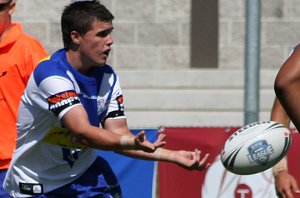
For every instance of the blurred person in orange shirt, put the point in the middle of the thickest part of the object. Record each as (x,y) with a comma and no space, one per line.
(19,54)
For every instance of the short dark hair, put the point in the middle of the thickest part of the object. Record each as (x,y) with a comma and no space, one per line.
(79,16)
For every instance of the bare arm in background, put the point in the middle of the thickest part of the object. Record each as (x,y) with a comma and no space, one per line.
(286,106)
(285,183)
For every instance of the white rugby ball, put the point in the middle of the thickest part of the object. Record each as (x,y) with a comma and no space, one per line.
(255,147)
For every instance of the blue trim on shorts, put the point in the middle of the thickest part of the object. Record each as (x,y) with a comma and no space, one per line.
(3,193)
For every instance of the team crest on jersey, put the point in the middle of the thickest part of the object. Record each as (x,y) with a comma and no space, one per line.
(259,152)
(60,101)
(102,105)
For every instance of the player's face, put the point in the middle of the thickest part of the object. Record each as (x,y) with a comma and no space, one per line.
(95,45)
(6,10)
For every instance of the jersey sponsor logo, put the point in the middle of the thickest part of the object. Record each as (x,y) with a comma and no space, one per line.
(120,102)
(62,137)
(60,101)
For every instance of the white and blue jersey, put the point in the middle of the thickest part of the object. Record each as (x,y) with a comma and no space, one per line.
(46,158)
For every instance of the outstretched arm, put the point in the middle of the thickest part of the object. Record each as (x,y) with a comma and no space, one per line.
(191,160)
(76,120)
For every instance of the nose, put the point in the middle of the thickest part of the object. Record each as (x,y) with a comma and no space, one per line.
(109,40)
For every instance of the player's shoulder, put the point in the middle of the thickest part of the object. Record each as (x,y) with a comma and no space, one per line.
(50,66)
(294,54)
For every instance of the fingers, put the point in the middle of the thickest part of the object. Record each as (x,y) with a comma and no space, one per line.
(142,143)
(161,129)
(196,155)
(200,164)
(280,195)
(161,136)
(204,159)
(159,142)
(287,194)
(141,135)
(203,163)
(145,146)
(286,185)
(295,187)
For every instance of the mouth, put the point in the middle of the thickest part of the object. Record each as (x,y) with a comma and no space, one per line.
(106,52)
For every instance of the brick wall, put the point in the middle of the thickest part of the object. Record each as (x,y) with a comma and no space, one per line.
(151,53)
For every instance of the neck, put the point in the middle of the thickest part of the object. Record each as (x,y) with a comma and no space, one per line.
(75,61)
(4,33)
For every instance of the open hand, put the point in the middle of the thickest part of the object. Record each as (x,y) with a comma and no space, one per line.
(159,142)
(286,185)
(190,160)
(142,143)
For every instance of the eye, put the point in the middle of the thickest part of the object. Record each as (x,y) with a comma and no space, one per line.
(104,33)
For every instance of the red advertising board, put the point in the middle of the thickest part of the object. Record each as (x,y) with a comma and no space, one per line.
(216,182)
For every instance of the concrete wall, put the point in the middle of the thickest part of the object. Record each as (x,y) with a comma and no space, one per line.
(151,54)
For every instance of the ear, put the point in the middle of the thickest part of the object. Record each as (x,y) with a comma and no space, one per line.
(12,7)
(76,38)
